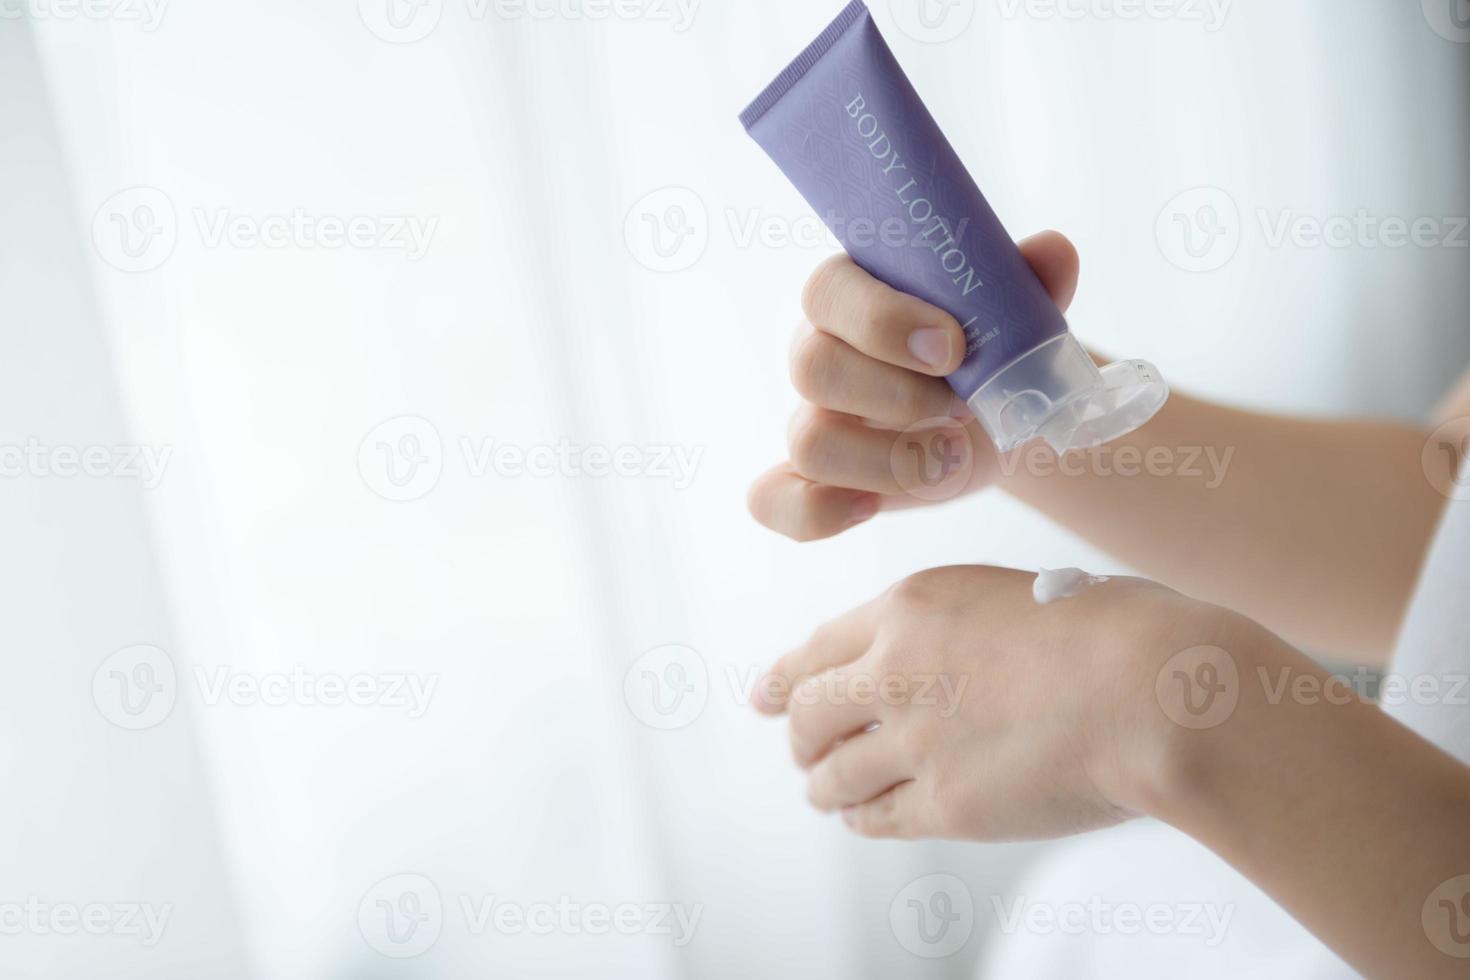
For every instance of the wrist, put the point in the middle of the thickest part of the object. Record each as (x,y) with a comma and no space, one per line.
(1190,688)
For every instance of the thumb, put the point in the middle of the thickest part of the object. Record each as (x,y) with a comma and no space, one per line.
(1054,260)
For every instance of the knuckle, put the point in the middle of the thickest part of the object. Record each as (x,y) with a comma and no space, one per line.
(810,443)
(780,671)
(870,825)
(797,510)
(798,747)
(815,794)
(758,502)
(914,592)
(928,591)
(877,319)
(824,636)
(878,816)
(889,661)
(825,787)
(801,742)
(827,508)
(928,400)
(941,814)
(819,294)
(917,744)
(916,401)
(838,772)
(814,365)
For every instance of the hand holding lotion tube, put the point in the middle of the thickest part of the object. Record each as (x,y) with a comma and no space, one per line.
(844,124)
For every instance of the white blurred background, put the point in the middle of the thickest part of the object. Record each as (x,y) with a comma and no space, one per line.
(304,280)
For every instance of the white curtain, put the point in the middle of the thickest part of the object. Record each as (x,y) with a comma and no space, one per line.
(537,158)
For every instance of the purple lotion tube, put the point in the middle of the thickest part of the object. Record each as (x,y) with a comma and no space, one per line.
(847,128)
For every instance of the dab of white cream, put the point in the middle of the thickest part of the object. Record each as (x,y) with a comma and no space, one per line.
(1062,583)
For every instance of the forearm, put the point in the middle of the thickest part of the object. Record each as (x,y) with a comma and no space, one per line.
(1350,821)
(1315,529)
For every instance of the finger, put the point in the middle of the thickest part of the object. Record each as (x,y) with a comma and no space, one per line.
(832,374)
(790,504)
(839,450)
(825,709)
(1054,260)
(837,642)
(844,301)
(860,769)
(898,813)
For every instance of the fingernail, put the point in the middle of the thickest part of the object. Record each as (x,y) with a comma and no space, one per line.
(863,508)
(931,346)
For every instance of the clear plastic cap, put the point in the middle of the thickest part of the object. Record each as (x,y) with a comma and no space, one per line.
(1055,392)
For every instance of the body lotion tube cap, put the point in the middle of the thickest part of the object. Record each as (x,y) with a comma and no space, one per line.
(1056,392)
